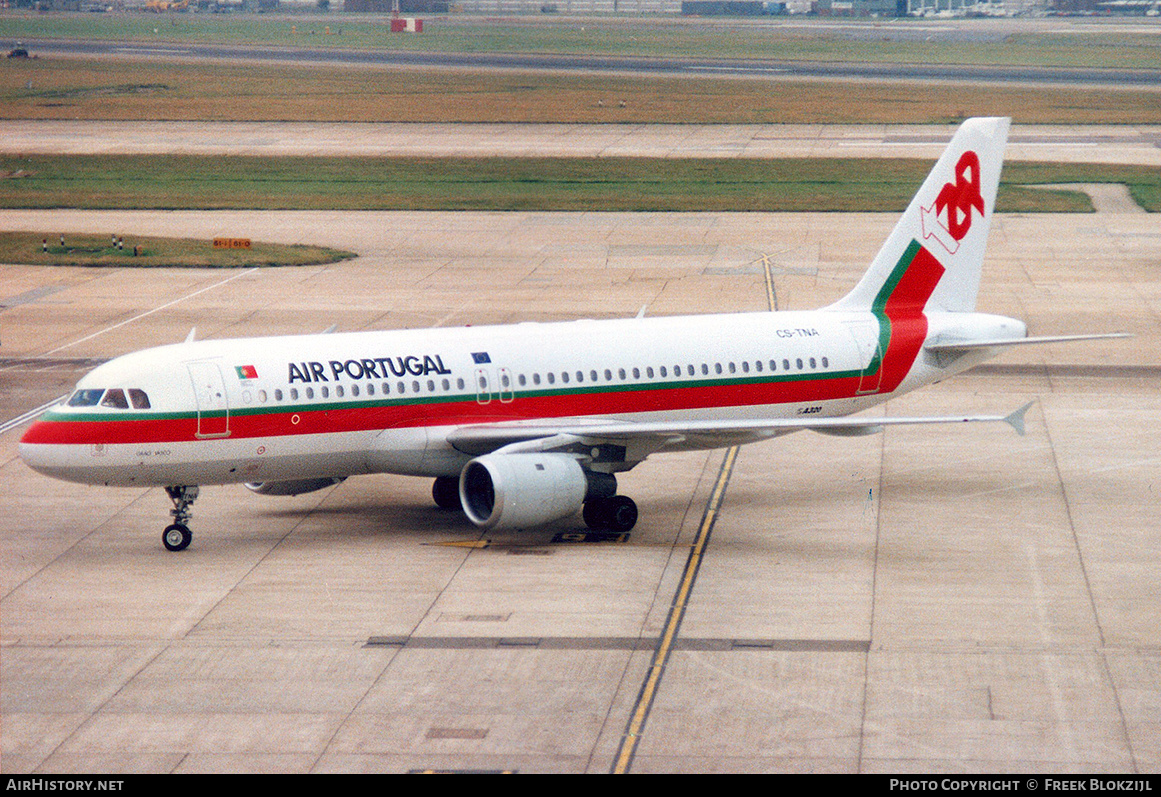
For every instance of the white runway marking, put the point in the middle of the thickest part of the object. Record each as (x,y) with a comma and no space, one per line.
(151,312)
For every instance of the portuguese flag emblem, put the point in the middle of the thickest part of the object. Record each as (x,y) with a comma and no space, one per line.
(246,371)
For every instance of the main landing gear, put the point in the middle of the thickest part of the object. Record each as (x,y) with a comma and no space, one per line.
(446,492)
(616,513)
(177,536)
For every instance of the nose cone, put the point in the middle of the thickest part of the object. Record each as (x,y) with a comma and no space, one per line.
(43,448)
(31,443)
(36,452)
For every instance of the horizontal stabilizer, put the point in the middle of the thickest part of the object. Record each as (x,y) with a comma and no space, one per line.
(967,345)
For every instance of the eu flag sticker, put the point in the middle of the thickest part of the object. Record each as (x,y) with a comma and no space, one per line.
(481,357)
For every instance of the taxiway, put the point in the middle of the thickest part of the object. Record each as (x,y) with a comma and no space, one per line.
(954,600)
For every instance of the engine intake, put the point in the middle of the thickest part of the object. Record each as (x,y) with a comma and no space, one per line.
(505,491)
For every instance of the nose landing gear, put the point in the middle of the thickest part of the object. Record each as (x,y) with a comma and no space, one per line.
(177,536)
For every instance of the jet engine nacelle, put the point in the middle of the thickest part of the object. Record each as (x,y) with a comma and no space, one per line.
(504,491)
(293,487)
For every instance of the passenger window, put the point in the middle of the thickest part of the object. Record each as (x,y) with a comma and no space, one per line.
(262,396)
(325,392)
(86,398)
(636,373)
(115,398)
(564,376)
(139,399)
(825,363)
(338,391)
(310,392)
(608,375)
(278,394)
(294,394)
(798,362)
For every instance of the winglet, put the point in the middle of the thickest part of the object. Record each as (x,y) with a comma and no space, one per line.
(1016,419)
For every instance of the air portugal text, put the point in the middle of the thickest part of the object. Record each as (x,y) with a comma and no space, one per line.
(367,368)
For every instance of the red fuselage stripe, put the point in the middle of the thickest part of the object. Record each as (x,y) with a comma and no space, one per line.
(904,311)
(303,420)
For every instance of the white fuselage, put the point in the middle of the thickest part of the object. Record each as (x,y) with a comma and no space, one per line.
(335,405)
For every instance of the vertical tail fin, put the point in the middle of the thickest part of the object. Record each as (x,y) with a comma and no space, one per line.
(942,235)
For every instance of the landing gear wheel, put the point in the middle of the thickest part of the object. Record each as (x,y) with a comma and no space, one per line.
(621,513)
(446,492)
(617,513)
(176,537)
(593,513)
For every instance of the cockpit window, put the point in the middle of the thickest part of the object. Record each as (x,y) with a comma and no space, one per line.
(85,398)
(115,398)
(139,398)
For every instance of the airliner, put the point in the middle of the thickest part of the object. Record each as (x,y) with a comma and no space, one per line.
(528,424)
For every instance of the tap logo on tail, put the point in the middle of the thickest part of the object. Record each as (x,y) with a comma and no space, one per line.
(949,218)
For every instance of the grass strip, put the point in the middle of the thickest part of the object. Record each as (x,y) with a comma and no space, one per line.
(65,88)
(79,249)
(546,184)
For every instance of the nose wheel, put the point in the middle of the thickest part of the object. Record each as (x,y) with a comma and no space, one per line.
(177,536)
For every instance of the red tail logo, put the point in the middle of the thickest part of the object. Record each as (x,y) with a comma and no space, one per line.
(957,199)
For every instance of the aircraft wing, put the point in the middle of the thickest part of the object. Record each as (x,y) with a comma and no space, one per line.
(645,438)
